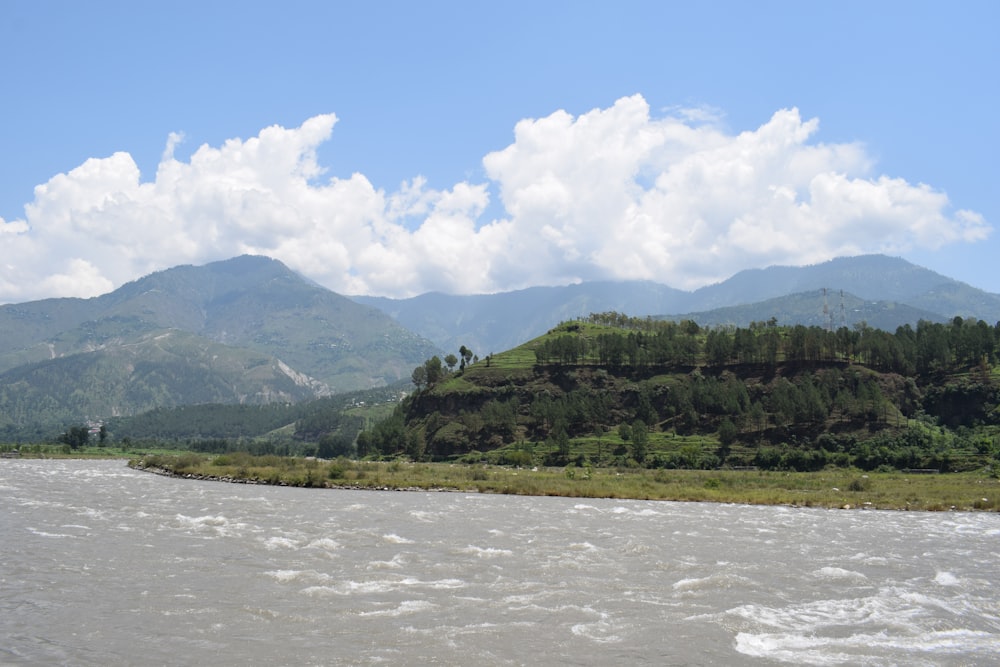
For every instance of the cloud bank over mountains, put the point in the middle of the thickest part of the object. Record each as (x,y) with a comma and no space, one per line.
(614,193)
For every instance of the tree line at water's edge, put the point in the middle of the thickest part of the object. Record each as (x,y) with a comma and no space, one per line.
(615,390)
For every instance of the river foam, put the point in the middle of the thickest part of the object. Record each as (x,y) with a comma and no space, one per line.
(104,565)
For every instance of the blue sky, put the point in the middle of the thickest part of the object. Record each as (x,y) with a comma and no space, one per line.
(396,148)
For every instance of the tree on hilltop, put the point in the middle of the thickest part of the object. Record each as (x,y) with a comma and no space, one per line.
(419,377)
(466,355)
(434,370)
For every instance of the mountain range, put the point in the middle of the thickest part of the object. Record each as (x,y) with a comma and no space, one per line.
(245,330)
(249,330)
(884,292)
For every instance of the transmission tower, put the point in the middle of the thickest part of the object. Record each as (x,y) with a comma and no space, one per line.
(843,311)
(827,317)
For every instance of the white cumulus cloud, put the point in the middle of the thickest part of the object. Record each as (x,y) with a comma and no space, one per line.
(610,194)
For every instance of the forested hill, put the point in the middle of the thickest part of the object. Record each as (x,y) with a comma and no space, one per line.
(885,292)
(615,390)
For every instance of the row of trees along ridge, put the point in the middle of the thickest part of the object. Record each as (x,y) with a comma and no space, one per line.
(647,387)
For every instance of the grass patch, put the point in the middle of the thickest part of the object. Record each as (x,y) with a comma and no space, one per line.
(832,489)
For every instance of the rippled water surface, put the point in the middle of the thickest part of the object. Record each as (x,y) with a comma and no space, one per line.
(103,565)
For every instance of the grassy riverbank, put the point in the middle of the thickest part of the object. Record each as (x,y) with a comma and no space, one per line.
(833,489)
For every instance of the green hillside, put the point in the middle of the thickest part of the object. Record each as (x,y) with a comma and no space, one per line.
(249,302)
(242,331)
(327,426)
(614,390)
(162,369)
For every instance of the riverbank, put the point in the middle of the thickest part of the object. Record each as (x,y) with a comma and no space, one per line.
(842,489)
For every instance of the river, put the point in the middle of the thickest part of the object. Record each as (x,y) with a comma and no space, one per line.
(104,565)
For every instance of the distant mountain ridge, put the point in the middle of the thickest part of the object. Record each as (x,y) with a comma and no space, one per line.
(246,329)
(495,322)
(249,330)
(883,291)
(814,308)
